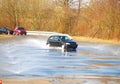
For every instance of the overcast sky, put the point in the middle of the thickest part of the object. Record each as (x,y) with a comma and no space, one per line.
(84,2)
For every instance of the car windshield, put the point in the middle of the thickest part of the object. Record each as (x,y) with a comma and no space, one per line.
(65,38)
(20,28)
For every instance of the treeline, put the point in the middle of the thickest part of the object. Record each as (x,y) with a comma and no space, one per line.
(98,18)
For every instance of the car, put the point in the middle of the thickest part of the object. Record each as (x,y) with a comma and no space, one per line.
(62,40)
(5,30)
(19,31)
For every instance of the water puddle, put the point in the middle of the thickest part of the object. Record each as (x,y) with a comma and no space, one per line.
(32,58)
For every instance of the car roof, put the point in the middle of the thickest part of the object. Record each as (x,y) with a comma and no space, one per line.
(19,27)
(61,35)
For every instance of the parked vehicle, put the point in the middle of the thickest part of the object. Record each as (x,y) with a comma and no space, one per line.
(20,31)
(5,30)
(63,41)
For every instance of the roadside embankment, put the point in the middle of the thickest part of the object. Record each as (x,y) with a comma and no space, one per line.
(5,36)
(96,40)
(104,80)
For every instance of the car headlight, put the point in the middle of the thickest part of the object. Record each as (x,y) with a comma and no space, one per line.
(67,43)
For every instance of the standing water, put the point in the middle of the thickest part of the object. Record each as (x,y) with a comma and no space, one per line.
(30,57)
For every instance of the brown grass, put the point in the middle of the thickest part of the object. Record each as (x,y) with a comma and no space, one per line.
(96,40)
(5,36)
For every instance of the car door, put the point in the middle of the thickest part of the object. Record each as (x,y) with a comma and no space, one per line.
(57,41)
(1,31)
(51,40)
(54,41)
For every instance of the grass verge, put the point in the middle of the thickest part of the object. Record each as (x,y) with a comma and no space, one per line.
(5,36)
(96,40)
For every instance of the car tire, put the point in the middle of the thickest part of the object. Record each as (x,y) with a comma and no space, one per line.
(25,34)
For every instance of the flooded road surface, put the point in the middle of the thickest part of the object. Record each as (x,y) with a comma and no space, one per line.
(28,56)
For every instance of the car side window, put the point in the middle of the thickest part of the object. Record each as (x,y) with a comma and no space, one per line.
(56,38)
(62,38)
(2,29)
(51,38)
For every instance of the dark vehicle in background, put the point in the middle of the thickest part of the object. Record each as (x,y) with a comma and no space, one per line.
(5,30)
(20,31)
(63,41)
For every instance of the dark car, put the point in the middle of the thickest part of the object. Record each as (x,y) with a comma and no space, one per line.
(5,30)
(63,41)
(20,31)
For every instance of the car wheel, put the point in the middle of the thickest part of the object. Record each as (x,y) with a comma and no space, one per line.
(17,34)
(65,48)
(25,34)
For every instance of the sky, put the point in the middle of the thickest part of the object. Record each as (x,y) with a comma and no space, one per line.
(84,2)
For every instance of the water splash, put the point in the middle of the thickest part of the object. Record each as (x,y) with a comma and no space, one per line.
(31,57)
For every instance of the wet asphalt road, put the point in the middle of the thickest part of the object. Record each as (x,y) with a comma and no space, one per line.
(28,56)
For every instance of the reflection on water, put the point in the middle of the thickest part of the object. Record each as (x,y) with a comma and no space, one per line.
(32,58)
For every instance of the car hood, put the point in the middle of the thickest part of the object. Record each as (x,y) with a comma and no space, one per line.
(69,41)
(23,30)
(20,30)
